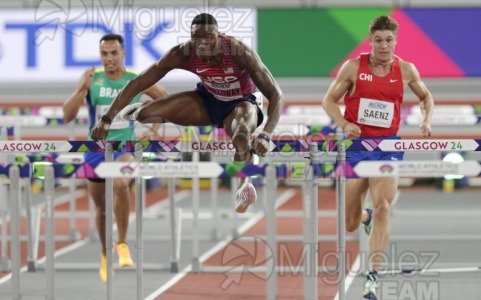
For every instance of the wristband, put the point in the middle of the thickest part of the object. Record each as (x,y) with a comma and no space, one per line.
(106,119)
(265,136)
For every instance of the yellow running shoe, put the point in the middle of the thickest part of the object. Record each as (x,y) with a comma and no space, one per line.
(125,260)
(103,267)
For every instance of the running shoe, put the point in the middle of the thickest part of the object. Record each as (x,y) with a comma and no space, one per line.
(103,268)
(125,260)
(370,287)
(246,195)
(130,112)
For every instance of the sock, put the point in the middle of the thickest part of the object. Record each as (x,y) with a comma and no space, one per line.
(369,216)
(372,275)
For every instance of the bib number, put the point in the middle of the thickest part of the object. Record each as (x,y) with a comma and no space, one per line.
(375,113)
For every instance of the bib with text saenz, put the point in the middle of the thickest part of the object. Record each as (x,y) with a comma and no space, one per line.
(375,113)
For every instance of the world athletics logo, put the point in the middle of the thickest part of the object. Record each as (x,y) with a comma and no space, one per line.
(386,169)
(127,170)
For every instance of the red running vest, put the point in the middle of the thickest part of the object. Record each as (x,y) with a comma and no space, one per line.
(375,105)
(226,81)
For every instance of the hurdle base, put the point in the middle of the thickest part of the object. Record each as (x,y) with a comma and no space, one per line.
(174,267)
(6,267)
(93,235)
(196,265)
(214,234)
(32,267)
(75,235)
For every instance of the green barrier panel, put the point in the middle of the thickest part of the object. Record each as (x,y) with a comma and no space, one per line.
(310,42)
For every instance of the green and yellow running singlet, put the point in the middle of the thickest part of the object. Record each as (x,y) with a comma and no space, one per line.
(101,94)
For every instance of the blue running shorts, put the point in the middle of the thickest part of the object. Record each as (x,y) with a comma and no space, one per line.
(354,157)
(218,110)
(95,158)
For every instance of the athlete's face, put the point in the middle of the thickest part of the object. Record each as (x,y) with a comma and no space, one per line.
(383,43)
(112,55)
(205,39)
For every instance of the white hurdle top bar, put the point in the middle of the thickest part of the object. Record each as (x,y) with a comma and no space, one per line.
(374,144)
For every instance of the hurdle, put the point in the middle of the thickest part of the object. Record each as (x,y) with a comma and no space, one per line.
(43,117)
(175,233)
(87,146)
(14,174)
(5,263)
(47,116)
(205,170)
(460,145)
(15,231)
(32,215)
(414,145)
(311,287)
(59,146)
(114,169)
(303,146)
(52,117)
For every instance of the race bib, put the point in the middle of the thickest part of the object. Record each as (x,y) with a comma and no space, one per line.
(225,91)
(375,113)
(117,122)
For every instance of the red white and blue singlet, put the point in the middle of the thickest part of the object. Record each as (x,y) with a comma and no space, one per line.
(375,105)
(227,82)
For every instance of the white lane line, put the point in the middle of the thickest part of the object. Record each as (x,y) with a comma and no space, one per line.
(65,250)
(217,247)
(356,266)
(61,251)
(352,274)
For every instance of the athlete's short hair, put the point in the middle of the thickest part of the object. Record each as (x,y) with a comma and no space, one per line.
(384,22)
(204,19)
(113,37)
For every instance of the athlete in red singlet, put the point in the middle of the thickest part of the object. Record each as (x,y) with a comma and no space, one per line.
(373,86)
(375,104)
(229,72)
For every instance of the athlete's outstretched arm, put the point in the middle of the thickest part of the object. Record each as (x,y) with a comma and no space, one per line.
(144,80)
(249,60)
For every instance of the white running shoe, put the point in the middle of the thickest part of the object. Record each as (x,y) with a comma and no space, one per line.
(246,195)
(130,112)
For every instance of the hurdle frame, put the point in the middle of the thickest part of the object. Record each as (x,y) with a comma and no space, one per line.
(14,187)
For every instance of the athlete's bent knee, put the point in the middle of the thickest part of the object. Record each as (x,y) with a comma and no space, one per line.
(120,187)
(382,210)
(241,141)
